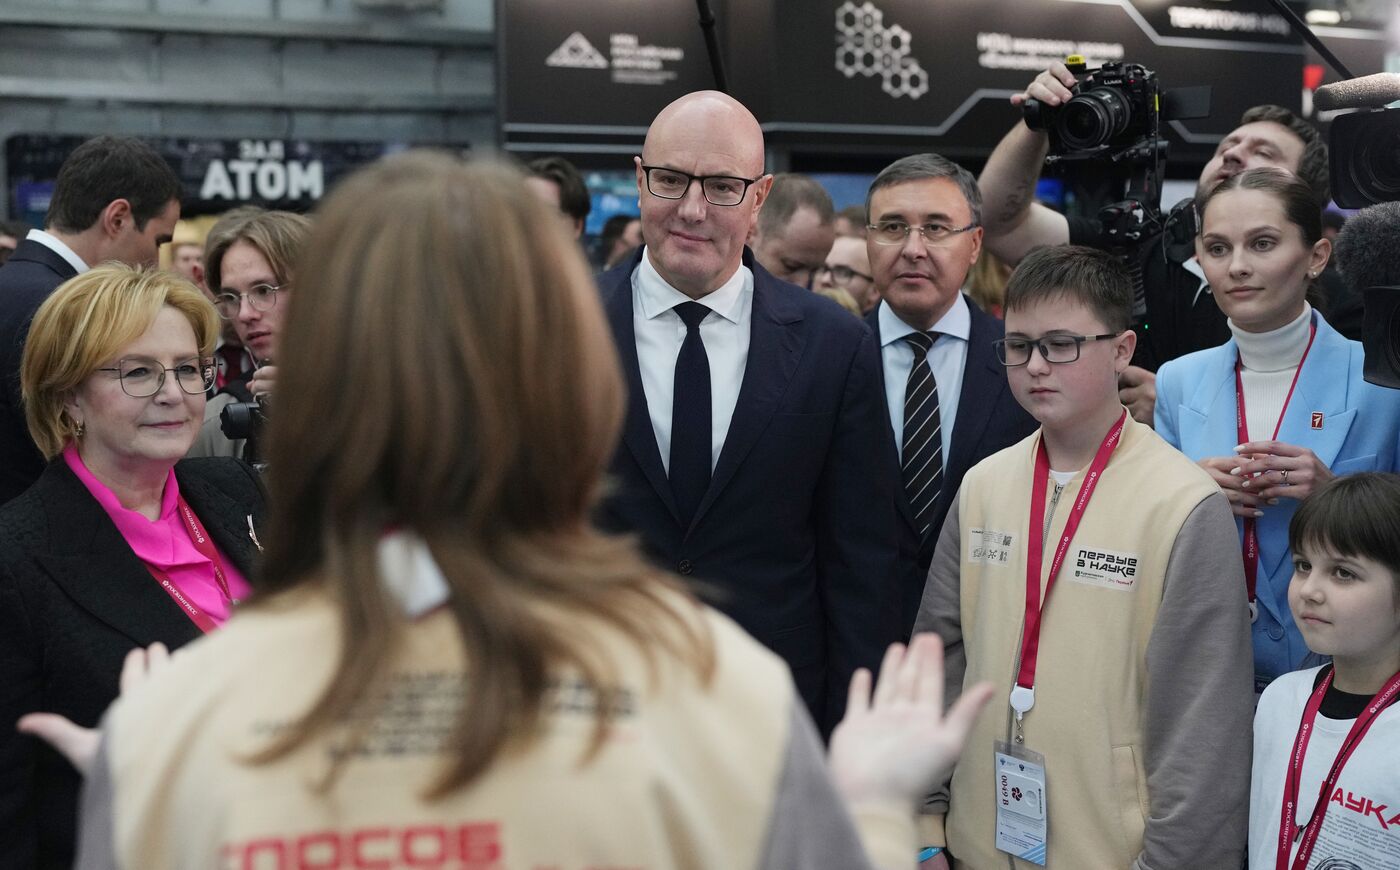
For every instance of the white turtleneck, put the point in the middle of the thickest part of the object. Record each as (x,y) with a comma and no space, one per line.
(1269,361)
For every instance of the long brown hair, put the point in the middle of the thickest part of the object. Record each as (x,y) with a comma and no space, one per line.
(447,370)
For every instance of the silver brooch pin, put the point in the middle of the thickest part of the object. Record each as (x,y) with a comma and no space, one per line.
(253,533)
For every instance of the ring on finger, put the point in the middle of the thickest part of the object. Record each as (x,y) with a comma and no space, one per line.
(1285,477)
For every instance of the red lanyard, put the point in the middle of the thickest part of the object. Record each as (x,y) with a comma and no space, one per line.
(1023,693)
(1288,824)
(1251,533)
(206,548)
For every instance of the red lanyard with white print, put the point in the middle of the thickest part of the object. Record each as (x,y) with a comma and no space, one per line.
(1023,693)
(206,548)
(1288,829)
(1251,533)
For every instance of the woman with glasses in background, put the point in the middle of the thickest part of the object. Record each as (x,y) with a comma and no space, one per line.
(119,544)
(248,260)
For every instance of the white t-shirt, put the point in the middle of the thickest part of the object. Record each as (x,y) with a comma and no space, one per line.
(1361,829)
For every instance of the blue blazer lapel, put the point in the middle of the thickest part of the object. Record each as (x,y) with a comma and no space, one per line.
(901,498)
(1206,420)
(637,433)
(776,340)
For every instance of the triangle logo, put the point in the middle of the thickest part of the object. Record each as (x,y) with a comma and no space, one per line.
(577,52)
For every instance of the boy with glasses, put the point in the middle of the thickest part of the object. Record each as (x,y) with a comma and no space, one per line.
(1092,573)
(847,267)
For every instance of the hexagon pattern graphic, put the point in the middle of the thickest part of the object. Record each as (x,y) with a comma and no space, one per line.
(866,46)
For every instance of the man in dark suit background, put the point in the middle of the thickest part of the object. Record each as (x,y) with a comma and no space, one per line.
(114,199)
(947,397)
(753,459)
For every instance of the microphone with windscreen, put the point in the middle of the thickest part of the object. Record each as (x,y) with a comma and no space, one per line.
(1364,145)
(1368,253)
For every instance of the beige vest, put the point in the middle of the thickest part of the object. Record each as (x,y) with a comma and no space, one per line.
(686,778)
(1091,672)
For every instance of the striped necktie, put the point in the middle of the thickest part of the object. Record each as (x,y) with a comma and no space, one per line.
(922,459)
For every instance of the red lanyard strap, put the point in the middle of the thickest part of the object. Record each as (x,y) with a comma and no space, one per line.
(1023,693)
(1251,533)
(206,548)
(1288,824)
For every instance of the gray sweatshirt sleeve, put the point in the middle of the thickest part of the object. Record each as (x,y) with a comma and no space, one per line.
(97,843)
(810,825)
(1200,701)
(940,612)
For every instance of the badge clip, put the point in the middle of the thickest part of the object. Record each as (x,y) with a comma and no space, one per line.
(1022,699)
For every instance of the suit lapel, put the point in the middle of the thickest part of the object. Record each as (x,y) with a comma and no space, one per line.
(637,433)
(984,380)
(776,340)
(1207,419)
(226,521)
(95,566)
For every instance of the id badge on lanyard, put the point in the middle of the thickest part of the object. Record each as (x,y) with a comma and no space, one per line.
(1022,823)
(1020,796)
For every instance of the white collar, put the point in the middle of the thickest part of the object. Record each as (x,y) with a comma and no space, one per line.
(658,296)
(1276,350)
(955,322)
(53,243)
(411,575)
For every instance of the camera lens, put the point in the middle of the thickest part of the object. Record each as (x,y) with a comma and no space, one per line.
(1376,163)
(1092,119)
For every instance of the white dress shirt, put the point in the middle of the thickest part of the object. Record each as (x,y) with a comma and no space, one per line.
(660,333)
(50,241)
(947,358)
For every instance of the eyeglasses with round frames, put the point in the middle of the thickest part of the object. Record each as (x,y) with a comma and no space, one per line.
(842,275)
(143,378)
(897,233)
(1057,348)
(722,190)
(261,296)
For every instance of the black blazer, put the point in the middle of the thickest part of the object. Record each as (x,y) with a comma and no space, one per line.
(989,419)
(74,599)
(26,280)
(797,536)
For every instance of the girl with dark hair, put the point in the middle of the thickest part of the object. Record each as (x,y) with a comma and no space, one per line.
(1281,407)
(1326,779)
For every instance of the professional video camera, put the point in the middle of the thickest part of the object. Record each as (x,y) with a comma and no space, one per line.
(1112,128)
(1364,170)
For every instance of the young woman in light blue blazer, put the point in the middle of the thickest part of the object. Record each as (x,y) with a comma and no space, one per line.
(1282,406)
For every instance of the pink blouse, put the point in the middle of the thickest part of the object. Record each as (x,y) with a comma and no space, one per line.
(164,544)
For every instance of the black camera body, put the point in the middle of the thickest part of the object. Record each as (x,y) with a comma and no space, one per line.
(1114,111)
(1364,158)
(245,421)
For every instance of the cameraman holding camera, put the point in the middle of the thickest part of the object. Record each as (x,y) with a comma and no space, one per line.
(248,260)
(1181,316)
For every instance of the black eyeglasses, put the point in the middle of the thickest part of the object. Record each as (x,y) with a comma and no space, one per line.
(725,190)
(260,296)
(842,274)
(1057,348)
(143,378)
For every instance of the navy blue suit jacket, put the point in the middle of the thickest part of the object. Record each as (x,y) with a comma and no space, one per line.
(26,280)
(989,419)
(797,538)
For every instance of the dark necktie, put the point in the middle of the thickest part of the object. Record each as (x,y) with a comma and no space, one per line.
(691,425)
(922,463)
